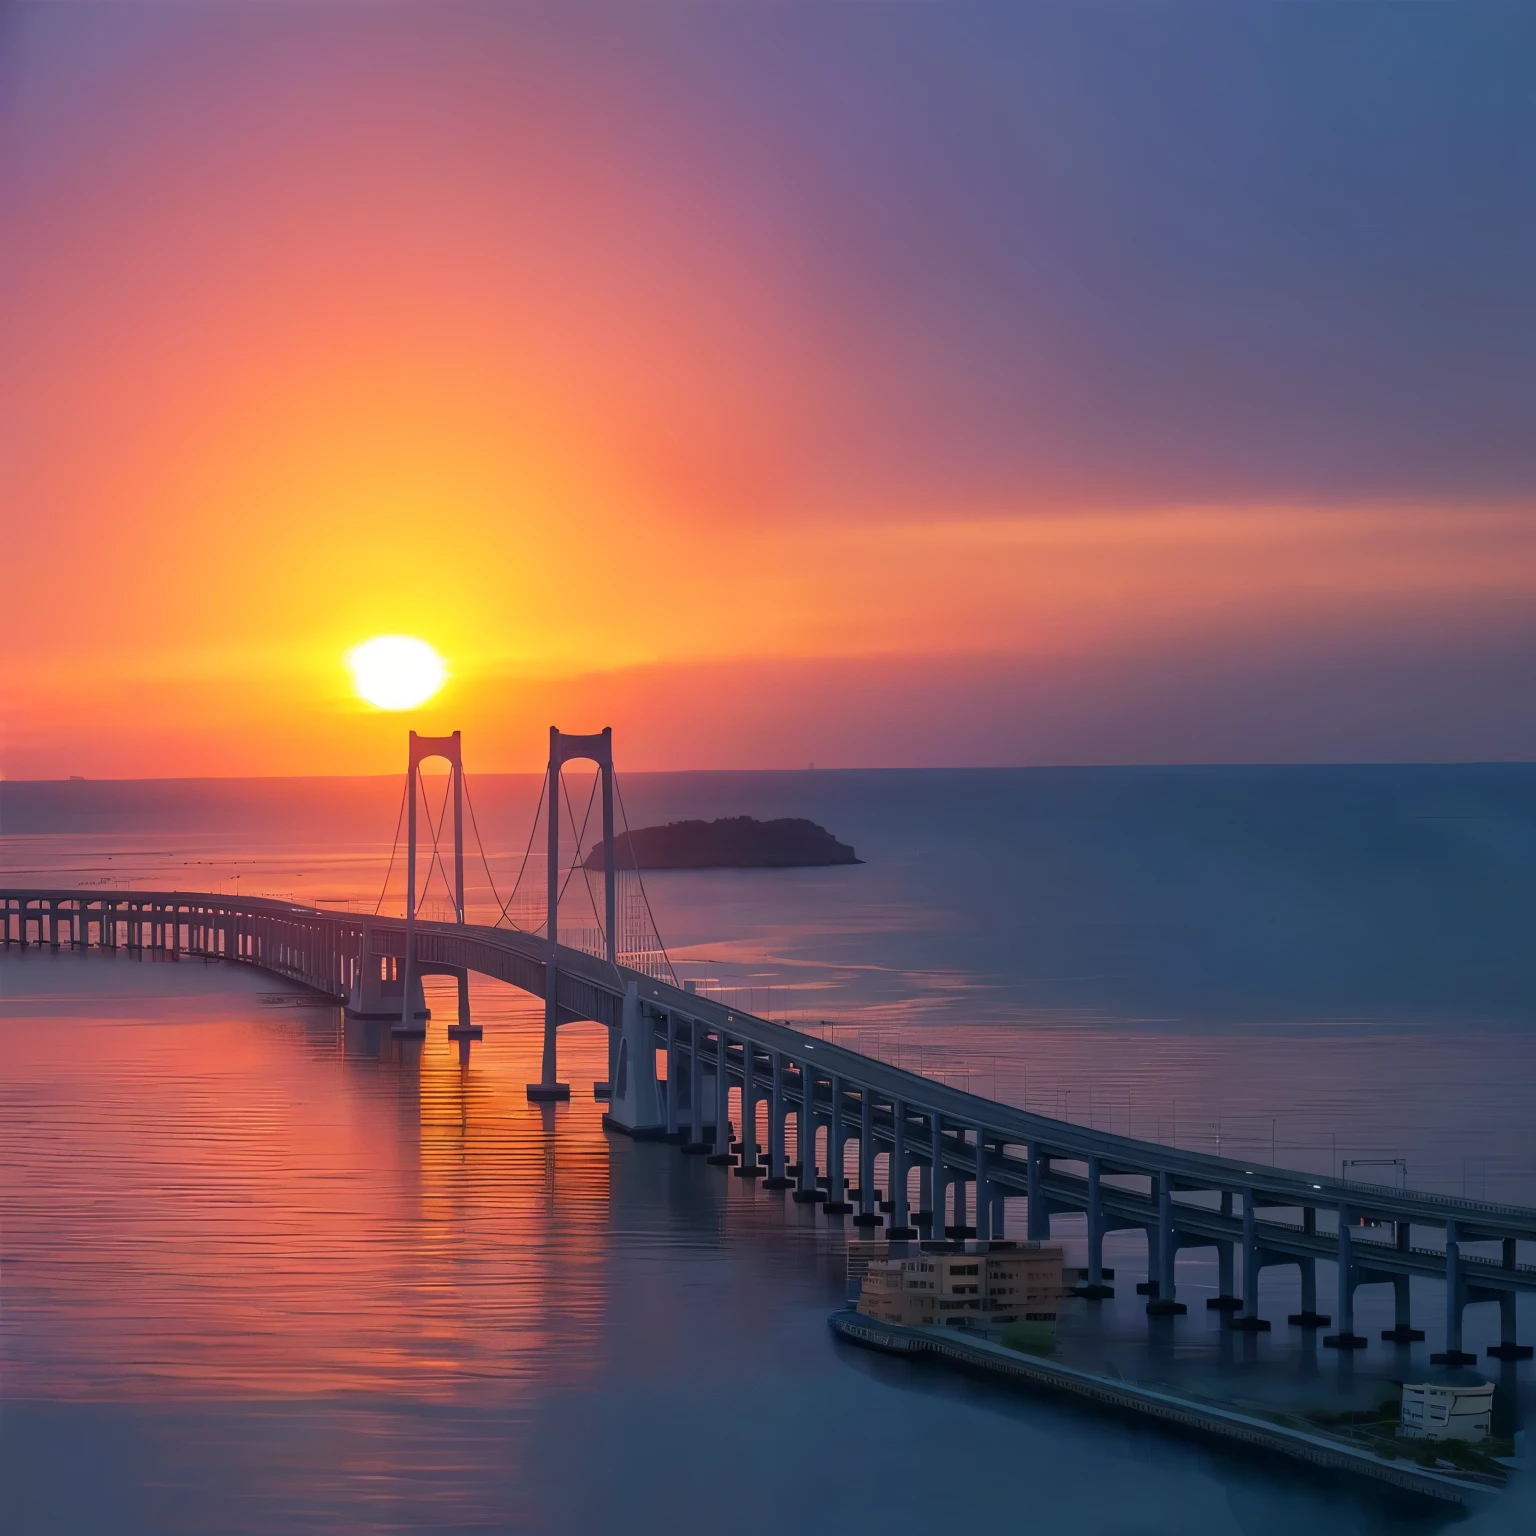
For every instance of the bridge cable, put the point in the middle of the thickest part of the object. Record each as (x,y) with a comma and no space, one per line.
(479,841)
(576,856)
(644,896)
(533,832)
(586,879)
(395,846)
(437,832)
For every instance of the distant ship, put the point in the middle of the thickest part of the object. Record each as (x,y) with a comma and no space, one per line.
(733,842)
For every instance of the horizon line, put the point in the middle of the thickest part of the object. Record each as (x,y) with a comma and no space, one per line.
(1082,767)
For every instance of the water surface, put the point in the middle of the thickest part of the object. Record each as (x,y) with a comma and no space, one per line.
(264,1270)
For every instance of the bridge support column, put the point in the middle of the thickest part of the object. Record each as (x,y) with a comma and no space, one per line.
(635,1105)
(1037,1221)
(1403,1331)
(1455,1302)
(1309,1316)
(1507,1348)
(867,1215)
(1248,1320)
(750,1168)
(983,1221)
(809,1192)
(837,1192)
(960,1227)
(548,1085)
(1402,1315)
(1164,1303)
(696,1143)
(1226,1298)
(1095,1289)
(721,1157)
(777,1115)
(674,1083)
(1346,1337)
(464,1029)
(936,1197)
(901,1226)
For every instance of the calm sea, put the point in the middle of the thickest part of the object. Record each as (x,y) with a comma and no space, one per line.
(260,1270)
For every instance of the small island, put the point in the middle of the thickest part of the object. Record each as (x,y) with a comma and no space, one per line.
(732,842)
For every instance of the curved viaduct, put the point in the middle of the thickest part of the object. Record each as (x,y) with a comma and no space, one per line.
(969,1153)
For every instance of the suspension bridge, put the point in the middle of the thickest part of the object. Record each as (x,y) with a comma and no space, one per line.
(887,1149)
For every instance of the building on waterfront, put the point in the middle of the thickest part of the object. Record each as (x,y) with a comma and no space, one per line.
(1438,1411)
(939,1284)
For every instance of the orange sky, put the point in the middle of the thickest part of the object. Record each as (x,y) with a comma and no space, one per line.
(606,385)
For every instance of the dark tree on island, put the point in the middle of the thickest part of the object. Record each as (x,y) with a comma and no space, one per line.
(733,842)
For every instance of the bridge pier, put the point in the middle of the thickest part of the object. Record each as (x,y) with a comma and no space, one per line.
(1346,1337)
(674,1086)
(867,1215)
(960,1227)
(696,1145)
(923,1215)
(1095,1288)
(837,1181)
(1455,1302)
(1403,1331)
(1507,1348)
(809,1192)
(1226,1298)
(721,1157)
(934,1197)
(749,1168)
(777,1116)
(465,1029)
(634,1105)
(901,1224)
(1037,1219)
(1164,1303)
(1248,1320)
(380,996)
(1309,1316)
(983,1191)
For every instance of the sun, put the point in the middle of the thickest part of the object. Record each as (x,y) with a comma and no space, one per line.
(396,671)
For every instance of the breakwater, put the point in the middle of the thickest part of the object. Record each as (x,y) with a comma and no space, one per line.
(1179,1413)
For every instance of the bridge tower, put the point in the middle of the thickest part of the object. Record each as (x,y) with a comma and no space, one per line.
(564,749)
(421,749)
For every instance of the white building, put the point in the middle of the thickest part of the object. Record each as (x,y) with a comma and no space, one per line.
(1435,1412)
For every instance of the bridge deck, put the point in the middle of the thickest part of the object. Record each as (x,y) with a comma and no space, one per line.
(322,949)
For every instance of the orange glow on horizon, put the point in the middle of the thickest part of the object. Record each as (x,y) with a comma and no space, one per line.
(549,376)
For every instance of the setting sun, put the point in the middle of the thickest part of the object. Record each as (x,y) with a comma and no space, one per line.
(396,671)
